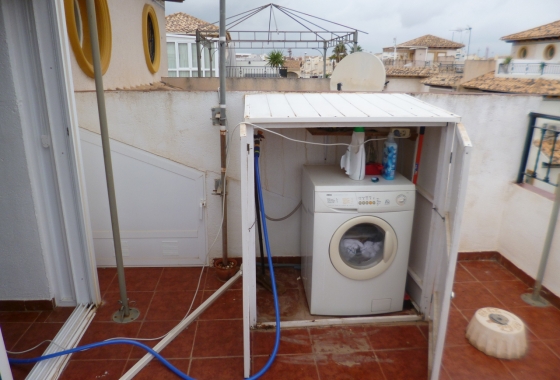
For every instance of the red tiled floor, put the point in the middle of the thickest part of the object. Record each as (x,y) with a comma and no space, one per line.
(105,276)
(19,316)
(111,303)
(290,305)
(554,345)
(292,341)
(60,314)
(138,279)
(462,275)
(12,332)
(456,329)
(404,364)
(543,322)
(218,338)
(468,363)
(36,333)
(171,306)
(156,370)
(179,348)
(539,363)
(487,271)
(217,368)
(473,295)
(212,282)
(179,279)
(288,367)
(508,292)
(340,340)
(93,369)
(392,337)
(99,331)
(356,365)
(228,306)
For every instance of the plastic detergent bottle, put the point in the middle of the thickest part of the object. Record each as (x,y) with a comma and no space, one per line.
(354,160)
(389,157)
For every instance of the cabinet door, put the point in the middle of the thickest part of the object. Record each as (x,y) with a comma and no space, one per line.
(448,243)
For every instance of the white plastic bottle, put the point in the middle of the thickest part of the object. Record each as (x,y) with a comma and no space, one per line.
(390,157)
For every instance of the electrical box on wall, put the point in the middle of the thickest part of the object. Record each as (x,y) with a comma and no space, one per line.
(401,132)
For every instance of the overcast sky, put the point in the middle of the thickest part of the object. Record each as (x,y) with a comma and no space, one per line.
(403,19)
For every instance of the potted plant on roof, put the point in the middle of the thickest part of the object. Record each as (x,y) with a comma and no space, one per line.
(276,59)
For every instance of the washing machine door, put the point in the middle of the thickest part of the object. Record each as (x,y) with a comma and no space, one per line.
(363,247)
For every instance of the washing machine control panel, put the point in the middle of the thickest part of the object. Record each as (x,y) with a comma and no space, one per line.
(365,201)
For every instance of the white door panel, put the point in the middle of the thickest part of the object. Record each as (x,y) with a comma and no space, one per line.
(158,203)
(447,244)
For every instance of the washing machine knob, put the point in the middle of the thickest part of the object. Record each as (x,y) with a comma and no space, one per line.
(401,199)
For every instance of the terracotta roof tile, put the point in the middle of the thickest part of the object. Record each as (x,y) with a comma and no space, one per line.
(551,30)
(433,42)
(182,23)
(443,80)
(488,82)
(292,64)
(423,72)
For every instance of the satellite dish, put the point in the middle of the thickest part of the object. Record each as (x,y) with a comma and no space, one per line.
(359,72)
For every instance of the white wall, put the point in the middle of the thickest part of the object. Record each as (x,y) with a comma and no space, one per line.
(23,275)
(535,49)
(523,231)
(128,66)
(497,126)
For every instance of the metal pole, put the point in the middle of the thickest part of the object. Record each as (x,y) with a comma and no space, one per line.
(210,57)
(469,44)
(223,131)
(198,53)
(324,59)
(535,298)
(526,148)
(355,41)
(125,314)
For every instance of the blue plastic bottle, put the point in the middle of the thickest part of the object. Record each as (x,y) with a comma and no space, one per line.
(389,158)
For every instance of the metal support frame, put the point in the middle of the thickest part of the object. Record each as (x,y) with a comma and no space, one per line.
(125,314)
(199,68)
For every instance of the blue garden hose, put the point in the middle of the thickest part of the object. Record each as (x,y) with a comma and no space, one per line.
(157,355)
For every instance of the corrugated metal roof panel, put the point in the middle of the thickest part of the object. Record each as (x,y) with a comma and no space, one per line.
(340,107)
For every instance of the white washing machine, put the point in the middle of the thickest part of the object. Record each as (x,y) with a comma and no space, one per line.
(355,241)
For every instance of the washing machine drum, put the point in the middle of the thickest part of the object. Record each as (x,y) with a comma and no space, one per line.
(363,247)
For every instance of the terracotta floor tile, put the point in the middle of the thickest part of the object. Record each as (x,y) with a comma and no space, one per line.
(393,337)
(217,368)
(157,371)
(357,365)
(59,314)
(138,279)
(468,363)
(218,338)
(473,295)
(288,367)
(488,271)
(12,332)
(443,375)
(20,371)
(554,345)
(18,316)
(180,278)
(508,292)
(340,340)
(291,306)
(110,303)
(43,316)
(292,341)
(228,306)
(425,330)
(404,364)
(456,329)
(171,306)
(543,322)
(539,363)
(212,282)
(93,369)
(462,275)
(35,334)
(99,331)
(105,277)
(179,348)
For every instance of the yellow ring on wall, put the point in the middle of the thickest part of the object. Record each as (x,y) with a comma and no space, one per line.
(150,13)
(82,49)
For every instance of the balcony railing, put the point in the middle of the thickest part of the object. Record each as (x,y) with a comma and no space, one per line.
(529,68)
(253,72)
(544,141)
(442,66)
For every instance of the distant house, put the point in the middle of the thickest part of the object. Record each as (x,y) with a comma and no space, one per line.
(424,50)
(532,68)
(181,46)
(294,67)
